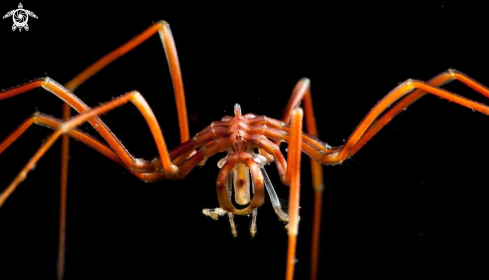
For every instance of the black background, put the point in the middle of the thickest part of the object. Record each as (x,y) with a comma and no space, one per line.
(411,202)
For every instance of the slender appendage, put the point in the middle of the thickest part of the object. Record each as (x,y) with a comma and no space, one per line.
(274,198)
(50,122)
(302,93)
(408,92)
(316,234)
(294,160)
(135,165)
(440,80)
(169,47)
(170,171)
(325,154)
(64,128)
(400,91)
(164,31)
(253,223)
(65,155)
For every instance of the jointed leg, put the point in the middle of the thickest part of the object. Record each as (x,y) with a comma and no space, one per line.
(408,89)
(412,90)
(64,128)
(169,46)
(300,93)
(63,195)
(169,169)
(369,127)
(164,31)
(293,176)
(440,80)
(136,165)
(50,122)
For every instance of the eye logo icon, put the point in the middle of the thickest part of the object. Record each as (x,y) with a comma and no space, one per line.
(20,17)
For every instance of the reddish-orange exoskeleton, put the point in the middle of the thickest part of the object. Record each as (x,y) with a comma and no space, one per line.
(250,141)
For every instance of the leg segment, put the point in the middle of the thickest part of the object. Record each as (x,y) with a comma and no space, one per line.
(169,169)
(409,90)
(413,90)
(50,122)
(136,165)
(300,93)
(63,195)
(366,130)
(64,128)
(166,37)
(164,31)
(293,172)
(440,80)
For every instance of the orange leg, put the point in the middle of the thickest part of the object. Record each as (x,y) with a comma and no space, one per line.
(63,195)
(164,31)
(370,126)
(64,128)
(293,176)
(166,37)
(136,165)
(407,89)
(168,168)
(48,121)
(441,79)
(300,93)
(325,154)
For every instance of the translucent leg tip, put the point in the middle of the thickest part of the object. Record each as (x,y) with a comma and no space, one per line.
(253,232)
(234,231)
(214,213)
